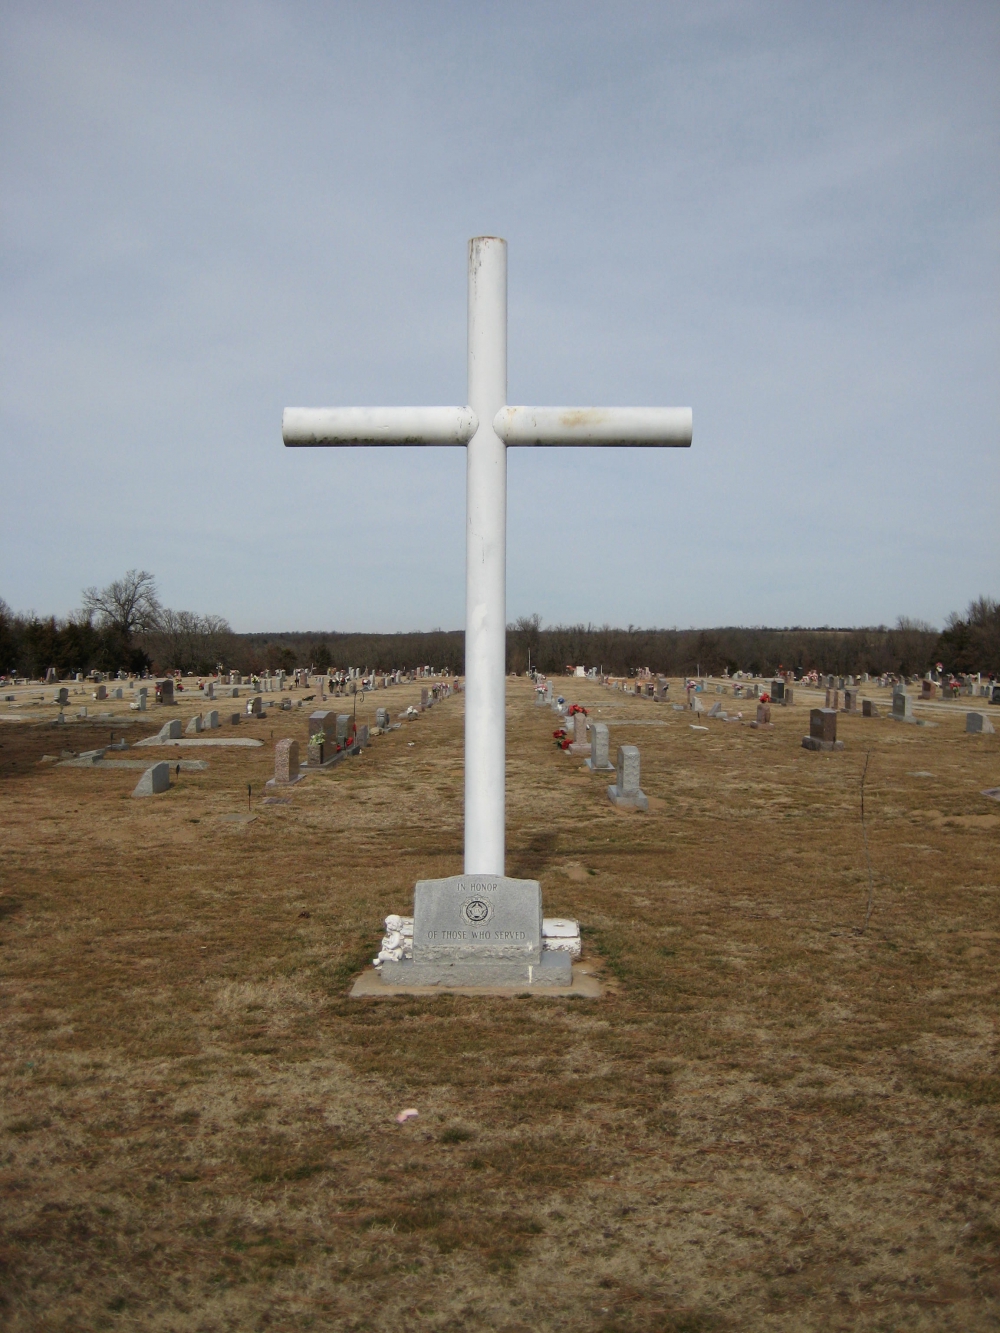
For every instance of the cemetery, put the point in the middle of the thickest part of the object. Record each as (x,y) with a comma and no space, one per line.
(756,1047)
(500,780)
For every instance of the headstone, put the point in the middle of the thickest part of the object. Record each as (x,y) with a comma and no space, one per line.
(118,693)
(210,690)
(155,780)
(425,698)
(778,690)
(234,719)
(51,676)
(978,724)
(822,730)
(62,697)
(764,715)
(716,710)
(345,729)
(171,731)
(165,691)
(323,722)
(580,745)
(101,692)
(361,736)
(850,701)
(928,690)
(788,698)
(599,761)
(478,930)
(382,719)
(211,720)
(902,707)
(286,762)
(194,726)
(254,706)
(869,708)
(832,698)
(626,791)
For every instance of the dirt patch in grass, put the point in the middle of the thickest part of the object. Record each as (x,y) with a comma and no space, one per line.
(773,1120)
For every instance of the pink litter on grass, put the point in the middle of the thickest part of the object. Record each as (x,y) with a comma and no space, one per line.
(410,1113)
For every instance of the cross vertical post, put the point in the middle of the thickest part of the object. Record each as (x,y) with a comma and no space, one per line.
(486,563)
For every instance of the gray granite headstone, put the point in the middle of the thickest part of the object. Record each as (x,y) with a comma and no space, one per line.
(211,720)
(171,731)
(478,930)
(194,726)
(599,748)
(822,730)
(155,780)
(979,724)
(902,706)
(626,791)
(325,722)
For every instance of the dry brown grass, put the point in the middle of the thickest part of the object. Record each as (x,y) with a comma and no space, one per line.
(772,1120)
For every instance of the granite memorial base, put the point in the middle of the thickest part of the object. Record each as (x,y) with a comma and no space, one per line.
(479,930)
(816,743)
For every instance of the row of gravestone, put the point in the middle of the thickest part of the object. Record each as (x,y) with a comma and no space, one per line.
(332,736)
(591,742)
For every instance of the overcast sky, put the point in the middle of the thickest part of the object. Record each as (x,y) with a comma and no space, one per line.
(786,216)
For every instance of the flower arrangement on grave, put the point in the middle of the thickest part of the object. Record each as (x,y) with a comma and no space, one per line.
(561,739)
(576,708)
(765,698)
(318,739)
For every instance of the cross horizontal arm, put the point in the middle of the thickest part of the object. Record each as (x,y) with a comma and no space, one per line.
(310,426)
(652,427)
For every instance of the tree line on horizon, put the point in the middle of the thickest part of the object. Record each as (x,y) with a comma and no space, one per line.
(125,627)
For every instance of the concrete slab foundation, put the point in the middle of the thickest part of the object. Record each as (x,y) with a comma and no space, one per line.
(370,985)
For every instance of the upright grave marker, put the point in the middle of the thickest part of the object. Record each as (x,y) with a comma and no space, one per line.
(488,427)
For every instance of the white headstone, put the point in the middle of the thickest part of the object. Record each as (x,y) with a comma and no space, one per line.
(978,724)
(154,781)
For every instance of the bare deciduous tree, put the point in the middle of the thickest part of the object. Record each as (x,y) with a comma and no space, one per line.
(129,604)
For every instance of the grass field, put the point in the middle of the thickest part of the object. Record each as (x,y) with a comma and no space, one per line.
(773,1119)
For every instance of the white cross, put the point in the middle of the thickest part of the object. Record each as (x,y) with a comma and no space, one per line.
(487,426)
